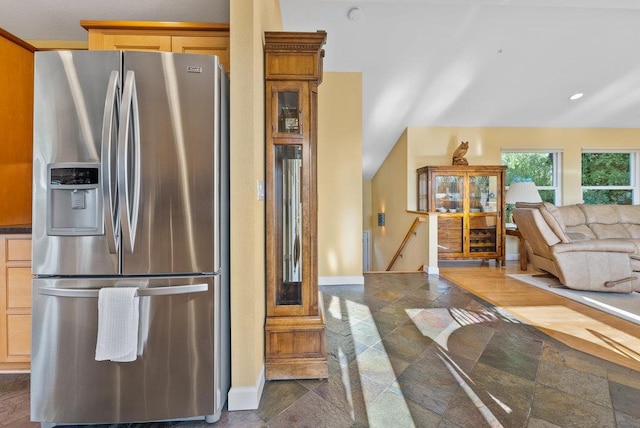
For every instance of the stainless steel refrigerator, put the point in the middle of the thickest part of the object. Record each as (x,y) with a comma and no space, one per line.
(130,189)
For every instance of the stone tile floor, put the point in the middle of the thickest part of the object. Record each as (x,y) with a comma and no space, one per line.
(415,350)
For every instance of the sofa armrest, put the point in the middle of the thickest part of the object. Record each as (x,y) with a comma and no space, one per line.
(596,245)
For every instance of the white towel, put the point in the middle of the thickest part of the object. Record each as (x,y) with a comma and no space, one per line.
(118,314)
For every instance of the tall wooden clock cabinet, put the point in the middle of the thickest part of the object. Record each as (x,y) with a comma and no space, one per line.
(295,329)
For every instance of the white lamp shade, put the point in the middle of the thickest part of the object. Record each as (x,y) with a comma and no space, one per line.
(522,191)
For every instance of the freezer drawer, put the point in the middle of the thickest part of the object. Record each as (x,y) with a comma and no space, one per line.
(176,375)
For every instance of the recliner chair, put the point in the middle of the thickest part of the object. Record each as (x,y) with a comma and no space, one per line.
(582,264)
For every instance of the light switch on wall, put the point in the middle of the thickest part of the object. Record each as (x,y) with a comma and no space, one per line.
(261,190)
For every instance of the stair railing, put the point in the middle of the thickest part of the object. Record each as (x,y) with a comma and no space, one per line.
(407,237)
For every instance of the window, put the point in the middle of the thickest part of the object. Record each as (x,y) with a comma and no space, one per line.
(541,167)
(610,177)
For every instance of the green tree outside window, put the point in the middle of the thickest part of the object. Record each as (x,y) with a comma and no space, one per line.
(606,178)
(532,166)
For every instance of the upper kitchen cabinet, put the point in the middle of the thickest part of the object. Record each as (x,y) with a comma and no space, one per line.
(185,37)
(16,129)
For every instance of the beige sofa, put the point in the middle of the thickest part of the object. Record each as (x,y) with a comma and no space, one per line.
(588,247)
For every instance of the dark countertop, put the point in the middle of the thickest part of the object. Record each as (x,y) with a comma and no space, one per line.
(15,229)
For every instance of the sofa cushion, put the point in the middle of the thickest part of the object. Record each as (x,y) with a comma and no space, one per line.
(581,230)
(604,214)
(575,223)
(633,230)
(572,215)
(604,221)
(579,236)
(629,216)
(552,216)
(628,213)
(604,231)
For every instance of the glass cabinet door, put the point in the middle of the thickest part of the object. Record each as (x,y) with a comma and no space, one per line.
(449,195)
(288,148)
(449,198)
(287,107)
(423,191)
(288,193)
(483,213)
(288,112)
(483,193)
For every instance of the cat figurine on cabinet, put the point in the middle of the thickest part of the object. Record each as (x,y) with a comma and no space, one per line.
(458,154)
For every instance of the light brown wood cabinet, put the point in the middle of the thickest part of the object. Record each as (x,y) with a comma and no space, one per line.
(16,129)
(185,37)
(295,329)
(15,301)
(471,207)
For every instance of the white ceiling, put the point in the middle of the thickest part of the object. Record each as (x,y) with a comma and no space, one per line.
(60,19)
(481,62)
(430,62)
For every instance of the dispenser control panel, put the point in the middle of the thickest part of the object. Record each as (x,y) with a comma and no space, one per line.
(75,202)
(74,176)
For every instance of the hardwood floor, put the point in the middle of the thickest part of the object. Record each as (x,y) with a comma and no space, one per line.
(572,323)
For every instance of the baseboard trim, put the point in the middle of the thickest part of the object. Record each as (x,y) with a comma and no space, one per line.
(246,397)
(341,280)
(15,371)
(431,270)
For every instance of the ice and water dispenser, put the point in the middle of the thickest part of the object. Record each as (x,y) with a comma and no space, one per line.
(74,205)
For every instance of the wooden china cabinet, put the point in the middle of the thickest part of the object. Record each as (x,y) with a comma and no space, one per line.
(295,329)
(471,205)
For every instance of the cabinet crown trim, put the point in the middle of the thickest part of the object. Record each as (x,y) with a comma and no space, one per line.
(293,41)
(16,40)
(155,25)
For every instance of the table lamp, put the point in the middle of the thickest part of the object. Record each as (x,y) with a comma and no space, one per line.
(521,191)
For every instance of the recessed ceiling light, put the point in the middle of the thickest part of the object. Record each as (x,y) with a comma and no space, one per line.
(576,96)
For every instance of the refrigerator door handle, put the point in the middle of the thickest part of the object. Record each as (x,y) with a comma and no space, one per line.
(109,193)
(129,162)
(142,292)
